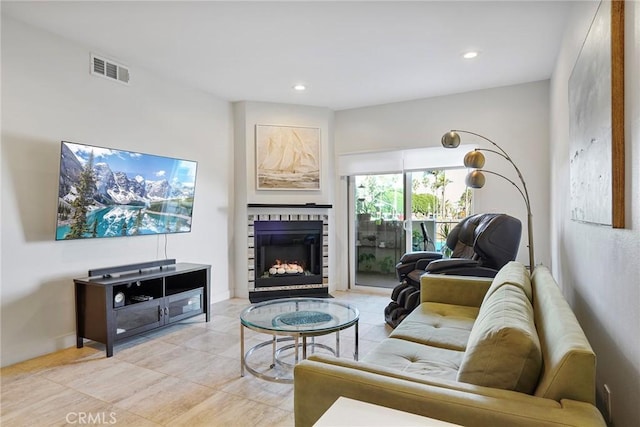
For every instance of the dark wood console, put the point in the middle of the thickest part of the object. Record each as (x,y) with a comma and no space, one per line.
(144,296)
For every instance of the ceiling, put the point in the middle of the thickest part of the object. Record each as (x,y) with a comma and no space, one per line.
(349,54)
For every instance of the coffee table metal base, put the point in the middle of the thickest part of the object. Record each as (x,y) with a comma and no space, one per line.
(278,364)
(297,320)
(276,353)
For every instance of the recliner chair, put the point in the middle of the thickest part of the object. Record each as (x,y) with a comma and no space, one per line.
(417,260)
(481,245)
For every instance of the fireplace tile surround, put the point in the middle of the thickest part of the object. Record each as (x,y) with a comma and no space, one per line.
(291,287)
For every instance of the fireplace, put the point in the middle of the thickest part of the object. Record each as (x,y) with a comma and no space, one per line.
(287,253)
(287,256)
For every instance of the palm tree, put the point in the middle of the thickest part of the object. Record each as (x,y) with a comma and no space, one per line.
(464,203)
(441,181)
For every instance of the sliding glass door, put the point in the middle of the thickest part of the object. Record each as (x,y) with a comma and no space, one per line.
(439,200)
(380,237)
(398,213)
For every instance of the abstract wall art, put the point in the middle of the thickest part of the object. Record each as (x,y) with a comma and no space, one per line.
(596,128)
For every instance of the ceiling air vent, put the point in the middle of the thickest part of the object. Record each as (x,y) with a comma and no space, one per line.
(109,69)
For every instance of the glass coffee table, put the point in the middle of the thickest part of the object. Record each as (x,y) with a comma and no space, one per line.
(292,319)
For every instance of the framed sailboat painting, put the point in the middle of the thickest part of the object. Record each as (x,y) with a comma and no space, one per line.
(287,158)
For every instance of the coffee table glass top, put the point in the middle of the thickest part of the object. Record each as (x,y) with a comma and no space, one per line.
(299,315)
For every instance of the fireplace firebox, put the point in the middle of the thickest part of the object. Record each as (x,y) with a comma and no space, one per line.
(288,253)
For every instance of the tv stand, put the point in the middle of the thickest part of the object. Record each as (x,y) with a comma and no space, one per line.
(145,296)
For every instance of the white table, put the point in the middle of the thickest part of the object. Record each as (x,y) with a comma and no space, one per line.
(353,413)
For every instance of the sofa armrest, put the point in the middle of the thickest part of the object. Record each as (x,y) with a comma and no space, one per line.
(318,385)
(458,290)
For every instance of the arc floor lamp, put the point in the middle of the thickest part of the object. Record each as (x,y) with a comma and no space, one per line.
(475,179)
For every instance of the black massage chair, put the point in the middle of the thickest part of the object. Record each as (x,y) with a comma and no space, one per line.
(482,244)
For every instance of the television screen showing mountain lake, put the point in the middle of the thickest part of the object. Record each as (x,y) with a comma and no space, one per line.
(109,193)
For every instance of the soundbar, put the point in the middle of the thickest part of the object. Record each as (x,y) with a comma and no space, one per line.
(108,271)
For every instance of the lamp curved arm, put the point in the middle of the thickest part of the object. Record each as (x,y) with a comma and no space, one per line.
(523,194)
(452,140)
(525,197)
(503,154)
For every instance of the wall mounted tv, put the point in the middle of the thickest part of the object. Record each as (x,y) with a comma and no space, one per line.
(108,193)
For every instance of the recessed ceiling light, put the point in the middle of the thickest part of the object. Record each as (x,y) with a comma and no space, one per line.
(470,55)
(300,87)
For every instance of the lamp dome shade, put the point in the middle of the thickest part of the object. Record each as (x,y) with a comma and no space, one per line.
(474,159)
(450,140)
(475,179)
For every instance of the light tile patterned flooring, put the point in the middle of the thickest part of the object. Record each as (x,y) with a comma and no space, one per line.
(187,374)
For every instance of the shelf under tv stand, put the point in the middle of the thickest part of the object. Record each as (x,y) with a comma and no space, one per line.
(150,295)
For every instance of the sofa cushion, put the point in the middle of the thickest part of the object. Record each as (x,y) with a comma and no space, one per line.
(514,273)
(438,325)
(503,349)
(415,359)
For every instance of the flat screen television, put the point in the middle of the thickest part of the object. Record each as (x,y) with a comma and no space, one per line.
(104,192)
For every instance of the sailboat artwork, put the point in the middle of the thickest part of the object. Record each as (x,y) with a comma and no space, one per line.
(287,158)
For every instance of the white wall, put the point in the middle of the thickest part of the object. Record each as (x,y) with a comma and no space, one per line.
(515,117)
(598,267)
(48,95)
(246,116)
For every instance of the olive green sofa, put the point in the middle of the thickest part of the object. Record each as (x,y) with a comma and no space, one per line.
(475,352)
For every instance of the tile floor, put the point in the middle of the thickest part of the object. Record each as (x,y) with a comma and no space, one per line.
(187,374)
